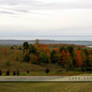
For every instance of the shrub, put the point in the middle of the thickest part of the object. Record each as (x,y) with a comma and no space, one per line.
(28,71)
(14,73)
(7,72)
(11,47)
(0,72)
(18,73)
(47,71)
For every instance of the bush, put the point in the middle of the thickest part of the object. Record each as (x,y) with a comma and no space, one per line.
(11,47)
(47,71)
(18,73)
(28,71)
(7,72)
(89,69)
(14,73)
(0,72)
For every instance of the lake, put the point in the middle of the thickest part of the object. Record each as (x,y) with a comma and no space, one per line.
(90,46)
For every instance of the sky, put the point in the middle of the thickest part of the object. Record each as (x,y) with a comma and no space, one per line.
(45,18)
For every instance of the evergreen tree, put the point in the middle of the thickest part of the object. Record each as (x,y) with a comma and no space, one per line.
(25,45)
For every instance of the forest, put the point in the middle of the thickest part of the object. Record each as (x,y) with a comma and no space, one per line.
(69,57)
(45,59)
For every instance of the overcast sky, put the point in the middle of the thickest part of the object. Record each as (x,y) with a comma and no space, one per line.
(45,17)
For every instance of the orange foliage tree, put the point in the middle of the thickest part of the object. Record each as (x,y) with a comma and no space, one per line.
(63,54)
(5,51)
(78,58)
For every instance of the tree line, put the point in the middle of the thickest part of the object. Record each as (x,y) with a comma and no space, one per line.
(70,57)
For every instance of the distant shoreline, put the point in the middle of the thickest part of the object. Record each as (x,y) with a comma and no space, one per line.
(56,38)
(20,42)
(90,46)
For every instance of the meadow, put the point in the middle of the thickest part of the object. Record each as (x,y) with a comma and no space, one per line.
(46,87)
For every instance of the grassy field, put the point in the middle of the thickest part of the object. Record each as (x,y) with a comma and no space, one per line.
(45,87)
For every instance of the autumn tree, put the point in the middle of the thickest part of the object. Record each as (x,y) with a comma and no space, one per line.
(78,58)
(37,42)
(5,51)
(63,56)
(34,59)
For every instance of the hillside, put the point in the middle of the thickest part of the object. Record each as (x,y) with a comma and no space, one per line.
(40,59)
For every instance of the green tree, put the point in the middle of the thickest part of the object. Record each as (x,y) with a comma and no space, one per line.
(25,45)
(26,57)
(68,64)
(54,57)
(43,57)
(70,49)
(32,49)
(61,49)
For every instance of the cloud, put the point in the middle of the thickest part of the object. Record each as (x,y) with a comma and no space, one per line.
(64,16)
(19,2)
(49,3)
(16,6)
(27,6)
(6,12)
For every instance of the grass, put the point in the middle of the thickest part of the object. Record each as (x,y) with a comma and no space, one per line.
(45,87)
(54,73)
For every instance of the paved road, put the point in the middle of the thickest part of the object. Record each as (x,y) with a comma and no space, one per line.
(45,78)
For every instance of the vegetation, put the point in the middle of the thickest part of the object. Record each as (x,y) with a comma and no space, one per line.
(36,59)
(69,57)
(46,87)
